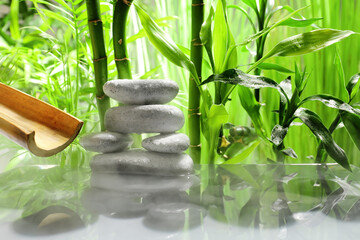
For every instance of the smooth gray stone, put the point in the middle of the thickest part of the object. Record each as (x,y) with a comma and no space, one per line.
(167,143)
(106,142)
(141,92)
(142,183)
(143,162)
(144,119)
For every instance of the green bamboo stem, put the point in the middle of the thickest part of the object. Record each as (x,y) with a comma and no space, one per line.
(260,43)
(99,57)
(197,17)
(122,61)
(121,10)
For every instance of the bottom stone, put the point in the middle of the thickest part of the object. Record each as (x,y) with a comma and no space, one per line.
(143,162)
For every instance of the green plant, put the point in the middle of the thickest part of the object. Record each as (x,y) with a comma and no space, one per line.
(221,48)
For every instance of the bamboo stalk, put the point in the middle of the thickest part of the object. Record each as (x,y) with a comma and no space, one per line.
(99,57)
(197,16)
(122,61)
(260,43)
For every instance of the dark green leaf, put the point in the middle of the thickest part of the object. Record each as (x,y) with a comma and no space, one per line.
(313,122)
(293,22)
(238,77)
(278,134)
(352,125)
(290,152)
(353,86)
(286,86)
(276,67)
(308,42)
(332,102)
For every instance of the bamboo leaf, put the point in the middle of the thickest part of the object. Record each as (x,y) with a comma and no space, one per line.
(220,36)
(246,14)
(251,3)
(293,22)
(341,73)
(308,42)
(332,102)
(150,73)
(217,116)
(278,134)
(238,77)
(244,154)
(353,86)
(313,122)
(252,107)
(273,66)
(352,125)
(14,19)
(163,42)
(290,152)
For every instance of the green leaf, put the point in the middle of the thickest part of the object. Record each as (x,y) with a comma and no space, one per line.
(160,21)
(206,37)
(220,36)
(273,66)
(150,73)
(238,77)
(217,116)
(293,22)
(290,152)
(353,86)
(163,42)
(332,102)
(308,42)
(313,122)
(252,107)
(246,14)
(341,73)
(251,3)
(352,125)
(14,19)
(243,154)
(278,134)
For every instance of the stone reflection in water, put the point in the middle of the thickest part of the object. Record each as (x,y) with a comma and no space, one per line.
(161,201)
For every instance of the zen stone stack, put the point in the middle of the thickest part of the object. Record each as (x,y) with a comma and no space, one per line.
(143,112)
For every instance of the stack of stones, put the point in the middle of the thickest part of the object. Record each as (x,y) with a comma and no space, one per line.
(143,112)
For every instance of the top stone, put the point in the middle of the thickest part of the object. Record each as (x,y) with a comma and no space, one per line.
(141,92)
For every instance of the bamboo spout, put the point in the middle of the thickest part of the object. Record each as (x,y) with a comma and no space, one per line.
(37,126)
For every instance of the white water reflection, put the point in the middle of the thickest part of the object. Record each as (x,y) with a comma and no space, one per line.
(232,202)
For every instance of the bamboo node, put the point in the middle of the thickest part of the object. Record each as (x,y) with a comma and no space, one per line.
(127,2)
(120,41)
(94,21)
(197,4)
(99,59)
(193,109)
(197,44)
(100,97)
(195,146)
(122,59)
(192,114)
